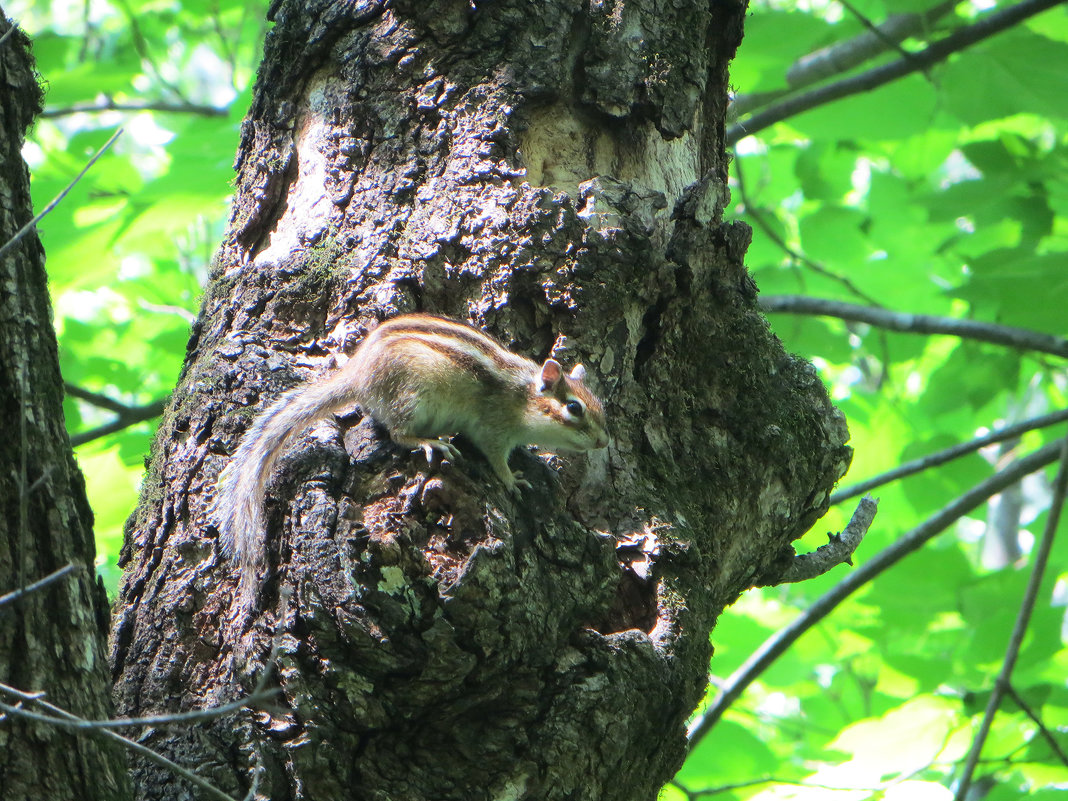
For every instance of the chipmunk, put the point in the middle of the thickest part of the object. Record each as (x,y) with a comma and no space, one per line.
(422,377)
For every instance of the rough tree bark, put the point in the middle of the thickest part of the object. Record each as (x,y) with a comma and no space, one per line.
(545,171)
(53,639)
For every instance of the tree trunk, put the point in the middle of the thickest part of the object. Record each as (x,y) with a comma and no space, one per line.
(52,639)
(547,173)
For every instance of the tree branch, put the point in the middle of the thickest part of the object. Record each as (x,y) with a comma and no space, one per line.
(126,417)
(112,105)
(96,398)
(102,728)
(839,549)
(775,645)
(40,584)
(1023,617)
(960,39)
(144,51)
(55,201)
(1010,336)
(949,454)
(887,42)
(209,789)
(843,56)
(1047,735)
(175,719)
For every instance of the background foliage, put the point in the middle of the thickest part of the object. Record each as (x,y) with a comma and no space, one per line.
(129,248)
(944,192)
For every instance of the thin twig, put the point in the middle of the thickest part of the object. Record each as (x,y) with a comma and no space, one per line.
(888,42)
(1023,618)
(949,454)
(209,788)
(172,719)
(1010,336)
(770,233)
(840,549)
(964,37)
(55,201)
(1047,735)
(775,645)
(227,49)
(103,728)
(51,578)
(144,51)
(112,105)
(83,51)
(742,785)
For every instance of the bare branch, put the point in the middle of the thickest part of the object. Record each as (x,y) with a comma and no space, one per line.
(1023,618)
(209,789)
(144,51)
(742,785)
(949,454)
(55,201)
(801,258)
(1010,336)
(130,416)
(843,56)
(103,728)
(886,41)
(1047,735)
(112,105)
(173,719)
(40,584)
(840,548)
(775,645)
(96,398)
(962,38)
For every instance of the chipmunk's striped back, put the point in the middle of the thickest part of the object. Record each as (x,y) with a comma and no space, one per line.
(467,347)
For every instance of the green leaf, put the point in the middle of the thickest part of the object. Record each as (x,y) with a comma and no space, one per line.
(773,40)
(1018,71)
(1001,791)
(825,171)
(85,82)
(1021,288)
(901,108)
(729,752)
(835,235)
(973,374)
(901,741)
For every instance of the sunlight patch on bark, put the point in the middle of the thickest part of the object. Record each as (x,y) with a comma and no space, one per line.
(308,208)
(560,149)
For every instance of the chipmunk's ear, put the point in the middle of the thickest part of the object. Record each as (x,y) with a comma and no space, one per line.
(551,373)
(578,373)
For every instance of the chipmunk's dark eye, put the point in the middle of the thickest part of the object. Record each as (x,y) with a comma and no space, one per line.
(574,408)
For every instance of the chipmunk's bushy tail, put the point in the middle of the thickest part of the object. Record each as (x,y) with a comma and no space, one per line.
(238,511)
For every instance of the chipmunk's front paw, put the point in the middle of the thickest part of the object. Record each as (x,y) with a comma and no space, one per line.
(517,482)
